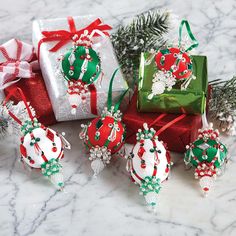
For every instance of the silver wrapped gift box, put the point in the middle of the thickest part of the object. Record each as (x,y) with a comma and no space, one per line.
(55,83)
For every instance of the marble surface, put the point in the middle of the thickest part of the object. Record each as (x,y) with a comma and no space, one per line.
(111,205)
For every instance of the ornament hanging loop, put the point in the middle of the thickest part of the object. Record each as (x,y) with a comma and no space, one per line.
(109,99)
(13,91)
(190,34)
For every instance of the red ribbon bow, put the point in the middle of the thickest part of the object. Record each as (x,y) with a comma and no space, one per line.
(14,62)
(63,36)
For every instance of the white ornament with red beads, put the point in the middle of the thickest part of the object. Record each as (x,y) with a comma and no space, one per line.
(149,164)
(41,147)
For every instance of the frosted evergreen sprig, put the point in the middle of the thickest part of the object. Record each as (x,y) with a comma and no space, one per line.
(5,120)
(7,125)
(144,33)
(222,104)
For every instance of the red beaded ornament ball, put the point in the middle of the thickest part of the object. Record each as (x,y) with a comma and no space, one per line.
(172,59)
(106,131)
(104,135)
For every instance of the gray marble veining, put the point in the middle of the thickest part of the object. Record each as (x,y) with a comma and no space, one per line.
(111,205)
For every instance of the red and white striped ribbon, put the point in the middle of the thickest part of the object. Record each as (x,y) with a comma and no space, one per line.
(15,57)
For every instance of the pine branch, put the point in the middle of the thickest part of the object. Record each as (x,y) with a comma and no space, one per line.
(4,120)
(222,105)
(142,34)
(8,126)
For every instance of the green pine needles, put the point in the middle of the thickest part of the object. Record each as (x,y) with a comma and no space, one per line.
(222,105)
(5,120)
(143,34)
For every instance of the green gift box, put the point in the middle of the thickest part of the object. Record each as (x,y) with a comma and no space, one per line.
(190,101)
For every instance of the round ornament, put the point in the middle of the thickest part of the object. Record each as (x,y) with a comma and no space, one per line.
(80,66)
(104,135)
(106,131)
(81,63)
(149,164)
(208,156)
(41,147)
(173,64)
(174,60)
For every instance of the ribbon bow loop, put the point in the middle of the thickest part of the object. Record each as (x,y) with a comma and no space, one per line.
(63,36)
(60,34)
(15,56)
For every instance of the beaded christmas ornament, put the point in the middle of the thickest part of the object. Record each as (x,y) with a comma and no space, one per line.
(149,164)
(41,147)
(149,161)
(104,135)
(81,67)
(208,156)
(174,64)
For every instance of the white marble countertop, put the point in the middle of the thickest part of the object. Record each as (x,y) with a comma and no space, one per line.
(111,205)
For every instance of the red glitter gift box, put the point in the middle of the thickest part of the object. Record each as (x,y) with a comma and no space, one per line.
(176,136)
(35,92)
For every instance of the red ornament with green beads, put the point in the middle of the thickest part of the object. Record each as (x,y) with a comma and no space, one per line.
(106,131)
(173,64)
(176,61)
(104,135)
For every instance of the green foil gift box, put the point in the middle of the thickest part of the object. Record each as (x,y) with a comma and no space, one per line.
(190,101)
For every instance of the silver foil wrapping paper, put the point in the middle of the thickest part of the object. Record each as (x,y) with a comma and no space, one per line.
(54,80)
